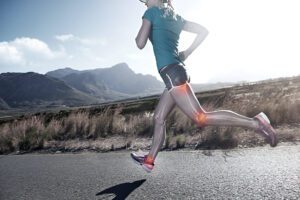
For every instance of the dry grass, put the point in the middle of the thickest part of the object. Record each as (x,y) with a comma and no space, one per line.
(31,133)
(22,135)
(281,105)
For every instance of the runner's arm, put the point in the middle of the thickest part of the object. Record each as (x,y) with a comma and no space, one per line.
(143,35)
(201,32)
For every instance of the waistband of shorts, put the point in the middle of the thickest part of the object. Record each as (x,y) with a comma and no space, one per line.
(168,66)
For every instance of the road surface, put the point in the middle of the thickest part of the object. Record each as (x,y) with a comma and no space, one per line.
(255,173)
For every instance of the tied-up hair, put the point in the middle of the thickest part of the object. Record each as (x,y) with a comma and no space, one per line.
(169,10)
(169,2)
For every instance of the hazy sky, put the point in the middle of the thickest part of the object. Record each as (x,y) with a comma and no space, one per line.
(248,40)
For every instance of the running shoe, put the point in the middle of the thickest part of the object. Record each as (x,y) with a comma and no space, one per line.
(265,129)
(143,160)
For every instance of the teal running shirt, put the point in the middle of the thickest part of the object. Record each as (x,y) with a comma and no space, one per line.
(164,35)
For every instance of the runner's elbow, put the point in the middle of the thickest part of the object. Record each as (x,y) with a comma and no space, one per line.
(140,44)
(204,32)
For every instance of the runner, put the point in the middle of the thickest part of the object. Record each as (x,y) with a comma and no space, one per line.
(163,27)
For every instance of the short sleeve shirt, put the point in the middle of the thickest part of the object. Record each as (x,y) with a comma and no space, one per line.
(164,35)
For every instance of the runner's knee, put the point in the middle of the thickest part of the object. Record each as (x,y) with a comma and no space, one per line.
(201,119)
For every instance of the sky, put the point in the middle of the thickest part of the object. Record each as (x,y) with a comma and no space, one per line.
(247,41)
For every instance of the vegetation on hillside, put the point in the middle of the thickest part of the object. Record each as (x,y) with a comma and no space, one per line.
(280,101)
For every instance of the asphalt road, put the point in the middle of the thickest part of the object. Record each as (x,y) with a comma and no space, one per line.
(256,173)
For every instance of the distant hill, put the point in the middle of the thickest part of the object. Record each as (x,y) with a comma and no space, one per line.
(62,72)
(117,81)
(72,87)
(29,89)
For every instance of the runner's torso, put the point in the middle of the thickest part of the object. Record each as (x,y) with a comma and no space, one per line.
(164,35)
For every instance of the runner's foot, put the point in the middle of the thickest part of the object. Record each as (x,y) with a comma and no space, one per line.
(265,129)
(144,160)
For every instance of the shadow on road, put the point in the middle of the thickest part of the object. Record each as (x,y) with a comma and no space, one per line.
(122,190)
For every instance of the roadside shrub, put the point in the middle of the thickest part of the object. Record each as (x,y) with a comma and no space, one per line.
(100,124)
(228,139)
(76,125)
(179,122)
(180,141)
(143,125)
(6,144)
(31,140)
(27,134)
(136,124)
(53,130)
(167,141)
(218,137)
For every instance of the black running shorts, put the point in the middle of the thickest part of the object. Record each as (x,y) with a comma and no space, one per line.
(174,75)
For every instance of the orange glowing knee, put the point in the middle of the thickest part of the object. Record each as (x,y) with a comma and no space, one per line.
(201,119)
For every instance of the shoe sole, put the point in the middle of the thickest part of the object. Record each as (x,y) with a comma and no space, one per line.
(146,169)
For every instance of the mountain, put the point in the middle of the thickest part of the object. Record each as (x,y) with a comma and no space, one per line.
(88,83)
(62,72)
(31,89)
(74,88)
(119,82)
(116,82)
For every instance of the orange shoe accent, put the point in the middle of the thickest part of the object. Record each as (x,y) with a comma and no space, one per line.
(149,160)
